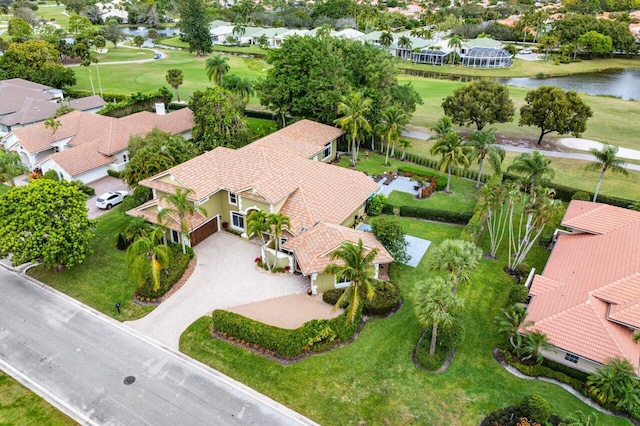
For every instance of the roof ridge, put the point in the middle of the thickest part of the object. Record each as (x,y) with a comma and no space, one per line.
(605,324)
(583,214)
(612,284)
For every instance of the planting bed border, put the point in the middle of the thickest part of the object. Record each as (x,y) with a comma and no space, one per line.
(444,366)
(174,288)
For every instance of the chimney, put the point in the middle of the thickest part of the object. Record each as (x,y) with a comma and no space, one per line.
(160,108)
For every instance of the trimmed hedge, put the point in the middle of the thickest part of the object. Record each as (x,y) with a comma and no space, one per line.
(178,264)
(314,334)
(436,215)
(84,188)
(384,301)
(536,408)
(136,103)
(388,208)
(441,180)
(107,96)
(114,173)
(432,164)
(517,294)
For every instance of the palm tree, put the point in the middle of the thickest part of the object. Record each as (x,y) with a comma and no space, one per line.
(137,228)
(606,160)
(354,109)
(394,120)
(358,269)
(484,146)
(454,154)
(241,86)
(510,319)
(216,68)
(433,305)
(442,126)
(175,78)
(11,166)
(182,209)
(238,31)
(147,257)
(257,224)
(530,345)
(455,43)
(536,168)
(277,222)
(324,31)
(386,39)
(52,124)
(404,42)
(404,143)
(458,257)
(611,381)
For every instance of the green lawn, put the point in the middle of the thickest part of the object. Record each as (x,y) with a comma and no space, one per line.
(21,407)
(123,54)
(54,13)
(373,381)
(103,279)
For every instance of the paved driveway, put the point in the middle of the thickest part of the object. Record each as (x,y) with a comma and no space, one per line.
(224,277)
(102,185)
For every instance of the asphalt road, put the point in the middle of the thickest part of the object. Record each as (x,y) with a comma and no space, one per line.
(78,360)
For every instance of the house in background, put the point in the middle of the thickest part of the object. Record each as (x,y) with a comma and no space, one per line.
(587,299)
(24,103)
(286,172)
(86,145)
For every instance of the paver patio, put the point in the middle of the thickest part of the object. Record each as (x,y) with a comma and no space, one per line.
(416,249)
(225,276)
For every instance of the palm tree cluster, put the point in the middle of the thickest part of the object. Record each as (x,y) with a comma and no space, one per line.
(616,383)
(218,69)
(260,223)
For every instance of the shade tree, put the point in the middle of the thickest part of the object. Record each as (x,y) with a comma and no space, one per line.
(480,102)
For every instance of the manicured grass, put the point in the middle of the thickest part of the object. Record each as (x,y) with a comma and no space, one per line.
(21,407)
(103,279)
(124,54)
(54,13)
(372,380)
(259,127)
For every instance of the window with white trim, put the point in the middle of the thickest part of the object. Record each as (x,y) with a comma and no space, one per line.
(237,221)
(326,153)
(175,236)
(571,358)
(342,282)
(233,199)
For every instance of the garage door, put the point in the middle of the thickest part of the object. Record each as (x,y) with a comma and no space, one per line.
(201,233)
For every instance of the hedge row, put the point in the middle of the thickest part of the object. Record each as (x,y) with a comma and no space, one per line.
(432,164)
(114,173)
(136,103)
(385,300)
(441,180)
(436,214)
(288,343)
(107,96)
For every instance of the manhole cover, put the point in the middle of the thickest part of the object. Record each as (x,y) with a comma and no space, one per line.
(129,379)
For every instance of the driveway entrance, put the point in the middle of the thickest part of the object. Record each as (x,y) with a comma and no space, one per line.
(225,276)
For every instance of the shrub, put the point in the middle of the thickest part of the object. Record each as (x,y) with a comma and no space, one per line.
(387,208)
(517,294)
(376,204)
(448,339)
(535,408)
(581,195)
(136,103)
(385,300)
(441,180)
(114,173)
(51,174)
(168,277)
(436,215)
(140,195)
(122,243)
(84,188)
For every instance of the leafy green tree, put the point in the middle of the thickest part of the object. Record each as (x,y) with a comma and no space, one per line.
(36,61)
(11,166)
(596,44)
(547,43)
(434,304)
(453,152)
(19,30)
(45,220)
(354,109)
(606,160)
(257,224)
(536,169)
(147,257)
(194,24)
(388,230)
(553,110)
(100,42)
(155,152)
(113,33)
(483,144)
(613,381)
(79,24)
(457,257)
(138,41)
(180,207)
(217,67)
(218,116)
(394,121)
(277,223)
(175,78)
(356,266)
(480,102)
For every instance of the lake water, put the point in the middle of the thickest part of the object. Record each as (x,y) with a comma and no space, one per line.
(144,31)
(623,84)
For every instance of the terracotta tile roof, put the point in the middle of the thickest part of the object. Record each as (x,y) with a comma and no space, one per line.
(314,246)
(304,137)
(149,212)
(81,159)
(592,279)
(175,122)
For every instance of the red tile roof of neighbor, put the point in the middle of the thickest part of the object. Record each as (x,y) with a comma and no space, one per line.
(587,299)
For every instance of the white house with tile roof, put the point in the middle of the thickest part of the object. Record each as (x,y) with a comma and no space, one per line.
(86,145)
(286,172)
(587,299)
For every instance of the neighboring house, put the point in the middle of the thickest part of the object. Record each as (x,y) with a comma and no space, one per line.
(24,103)
(285,172)
(86,145)
(269,33)
(587,300)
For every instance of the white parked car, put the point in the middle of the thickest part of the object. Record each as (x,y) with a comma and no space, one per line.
(526,52)
(110,199)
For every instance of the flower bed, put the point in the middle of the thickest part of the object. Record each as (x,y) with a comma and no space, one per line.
(168,277)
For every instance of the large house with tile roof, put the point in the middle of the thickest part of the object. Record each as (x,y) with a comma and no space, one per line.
(286,172)
(86,145)
(587,299)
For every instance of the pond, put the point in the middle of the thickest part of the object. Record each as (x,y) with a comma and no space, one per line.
(144,31)
(623,84)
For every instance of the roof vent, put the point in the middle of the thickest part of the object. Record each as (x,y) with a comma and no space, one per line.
(160,108)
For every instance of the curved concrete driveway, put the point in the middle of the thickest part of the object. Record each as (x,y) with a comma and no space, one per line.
(224,277)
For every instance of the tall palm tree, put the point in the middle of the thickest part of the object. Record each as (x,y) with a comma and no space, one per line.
(536,168)
(354,109)
(137,228)
(404,143)
(611,381)
(606,160)
(11,166)
(483,143)
(530,345)
(182,209)
(238,31)
(454,154)
(277,222)
(257,223)
(358,269)
(52,124)
(175,78)
(240,85)
(455,43)
(433,305)
(394,121)
(404,42)
(147,257)
(216,68)
(458,257)
(386,39)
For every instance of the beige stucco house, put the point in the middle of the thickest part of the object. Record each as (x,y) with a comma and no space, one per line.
(286,172)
